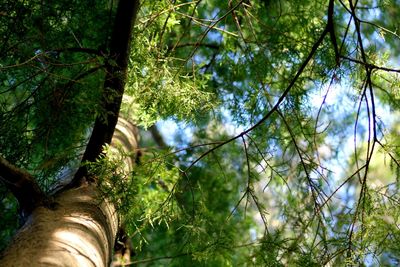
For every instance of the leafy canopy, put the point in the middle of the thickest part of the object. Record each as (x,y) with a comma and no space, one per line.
(286,152)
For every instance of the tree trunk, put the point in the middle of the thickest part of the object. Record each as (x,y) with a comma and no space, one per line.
(79,229)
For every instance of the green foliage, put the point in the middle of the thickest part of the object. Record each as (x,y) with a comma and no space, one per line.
(160,85)
(162,206)
(9,217)
(284,177)
(292,156)
(47,90)
(148,187)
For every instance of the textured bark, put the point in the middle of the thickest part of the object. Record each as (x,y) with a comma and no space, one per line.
(124,142)
(79,231)
(79,228)
(126,138)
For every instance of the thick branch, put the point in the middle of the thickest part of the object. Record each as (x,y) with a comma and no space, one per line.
(114,84)
(331,28)
(22,185)
(157,137)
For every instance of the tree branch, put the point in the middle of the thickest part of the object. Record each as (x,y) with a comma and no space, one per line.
(157,137)
(114,84)
(369,65)
(331,28)
(22,185)
(207,45)
(277,104)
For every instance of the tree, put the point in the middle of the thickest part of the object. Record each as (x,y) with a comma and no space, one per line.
(73,227)
(285,127)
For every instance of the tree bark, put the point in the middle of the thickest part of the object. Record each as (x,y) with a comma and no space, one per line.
(79,231)
(80,227)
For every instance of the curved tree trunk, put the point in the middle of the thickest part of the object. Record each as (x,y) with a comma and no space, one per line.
(79,226)
(79,229)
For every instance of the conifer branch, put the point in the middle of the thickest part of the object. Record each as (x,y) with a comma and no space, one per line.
(331,28)
(114,84)
(22,185)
